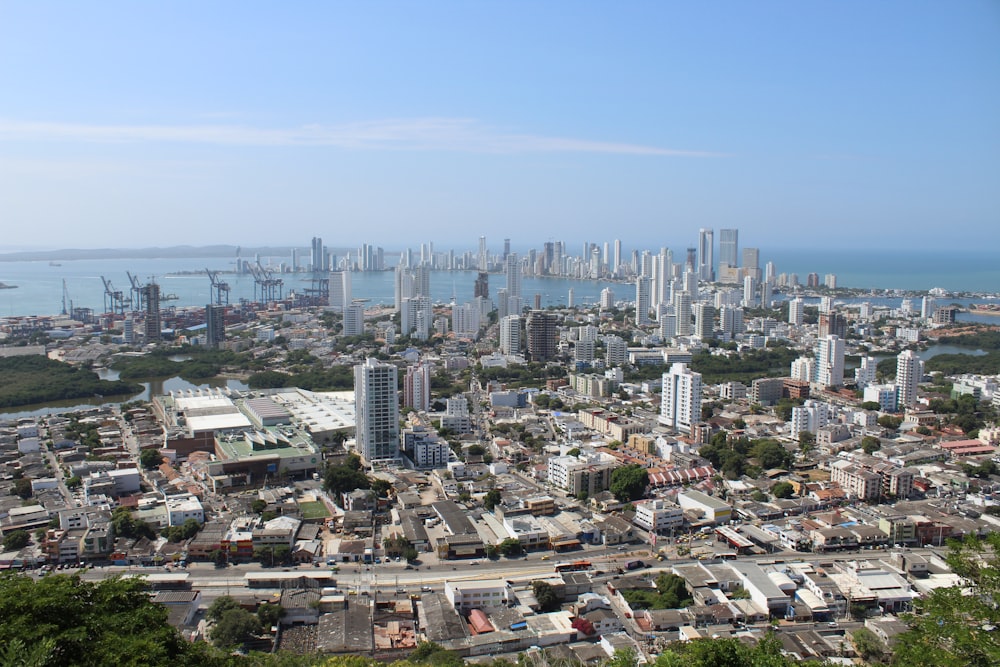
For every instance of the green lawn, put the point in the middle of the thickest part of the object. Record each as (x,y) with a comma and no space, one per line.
(313,510)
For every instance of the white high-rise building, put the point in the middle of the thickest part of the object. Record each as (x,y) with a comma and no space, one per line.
(607,299)
(417,387)
(731,321)
(642,300)
(465,320)
(340,290)
(415,317)
(809,417)
(513,268)
(422,280)
(750,292)
(668,322)
(909,370)
(615,351)
(729,247)
(706,255)
(928,305)
(796,311)
(376,399)
(864,374)
(354,319)
(484,264)
(704,321)
(510,334)
(804,369)
(680,403)
(682,310)
(830,361)
(403,287)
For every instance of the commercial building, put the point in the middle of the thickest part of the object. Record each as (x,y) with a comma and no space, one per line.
(709,508)
(658,515)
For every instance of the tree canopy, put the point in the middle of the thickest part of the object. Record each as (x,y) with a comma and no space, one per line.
(956,626)
(629,482)
(110,622)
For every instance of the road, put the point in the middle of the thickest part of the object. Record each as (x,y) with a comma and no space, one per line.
(389,576)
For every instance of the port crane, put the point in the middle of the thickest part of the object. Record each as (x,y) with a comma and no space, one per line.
(114,300)
(220,289)
(135,290)
(271,288)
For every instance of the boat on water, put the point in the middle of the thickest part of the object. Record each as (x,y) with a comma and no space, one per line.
(54,264)
(6,286)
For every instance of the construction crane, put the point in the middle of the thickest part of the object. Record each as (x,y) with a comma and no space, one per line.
(114,300)
(271,288)
(67,309)
(135,290)
(220,289)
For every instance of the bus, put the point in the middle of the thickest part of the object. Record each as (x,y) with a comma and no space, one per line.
(575,566)
(634,565)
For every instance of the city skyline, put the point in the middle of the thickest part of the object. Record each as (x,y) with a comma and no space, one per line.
(128,126)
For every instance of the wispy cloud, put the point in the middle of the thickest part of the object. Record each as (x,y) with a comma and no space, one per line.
(418,134)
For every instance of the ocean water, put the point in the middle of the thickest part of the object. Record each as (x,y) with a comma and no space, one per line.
(976,270)
(40,286)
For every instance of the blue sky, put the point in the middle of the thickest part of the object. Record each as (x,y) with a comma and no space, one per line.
(828,124)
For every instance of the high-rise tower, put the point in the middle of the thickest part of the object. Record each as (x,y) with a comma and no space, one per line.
(706,255)
(729,247)
(377,405)
(680,402)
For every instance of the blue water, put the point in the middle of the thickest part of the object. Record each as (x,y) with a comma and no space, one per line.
(39,288)
(959,271)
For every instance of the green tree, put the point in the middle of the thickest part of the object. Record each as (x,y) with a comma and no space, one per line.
(344,479)
(629,482)
(890,422)
(76,622)
(258,506)
(16,539)
(270,614)
(220,606)
(125,525)
(491,499)
(951,626)
(510,547)
(22,489)
(806,441)
(868,645)
(782,490)
(546,596)
(234,628)
(771,454)
(870,444)
(150,458)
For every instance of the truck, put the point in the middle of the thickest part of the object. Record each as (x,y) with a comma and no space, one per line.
(634,564)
